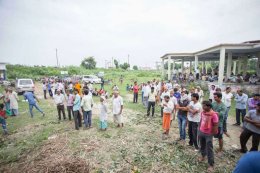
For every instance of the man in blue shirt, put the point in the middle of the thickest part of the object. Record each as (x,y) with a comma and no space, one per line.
(76,108)
(177,94)
(241,102)
(248,163)
(30,97)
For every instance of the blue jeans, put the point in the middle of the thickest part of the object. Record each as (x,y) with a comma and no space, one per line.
(182,120)
(238,113)
(225,120)
(3,122)
(36,106)
(87,118)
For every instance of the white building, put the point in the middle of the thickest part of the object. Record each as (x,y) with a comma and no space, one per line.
(235,55)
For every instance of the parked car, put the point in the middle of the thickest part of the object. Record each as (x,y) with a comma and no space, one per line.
(23,85)
(5,83)
(91,78)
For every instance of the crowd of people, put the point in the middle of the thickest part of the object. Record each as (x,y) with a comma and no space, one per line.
(204,119)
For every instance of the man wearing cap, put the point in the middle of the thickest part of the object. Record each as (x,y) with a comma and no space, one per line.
(117,109)
(59,101)
(251,128)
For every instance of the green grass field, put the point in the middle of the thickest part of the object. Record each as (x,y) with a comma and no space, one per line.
(43,142)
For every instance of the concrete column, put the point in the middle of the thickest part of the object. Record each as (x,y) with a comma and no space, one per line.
(221,66)
(258,65)
(182,65)
(244,65)
(229,64)
(203,67)
(169,67)
(206,67)
(190,66)
(196,61)
(239,65)
(162,68)
(234,67)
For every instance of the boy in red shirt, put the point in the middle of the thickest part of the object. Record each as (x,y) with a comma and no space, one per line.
(2,118)
(208,128)
(135,89)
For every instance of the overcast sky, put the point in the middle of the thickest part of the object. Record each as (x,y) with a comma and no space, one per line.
(31,30)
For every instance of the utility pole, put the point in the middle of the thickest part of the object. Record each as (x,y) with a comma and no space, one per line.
(57,57)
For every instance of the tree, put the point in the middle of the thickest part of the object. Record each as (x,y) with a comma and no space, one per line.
(124,66)
(116,63)
(89,63)
(135,67)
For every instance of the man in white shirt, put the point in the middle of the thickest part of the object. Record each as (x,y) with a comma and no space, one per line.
(226,98)
(194,110)
(87,104)
(211,92)
(61,87)
(59,101)
(169,85)
(165,92)
(147,89)
(117,109)
(13,102)
(200,92)
(151,101)
(175,102)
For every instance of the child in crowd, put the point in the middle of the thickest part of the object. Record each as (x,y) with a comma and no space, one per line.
(168,107)
(2,118)
(208,128)
(103,113)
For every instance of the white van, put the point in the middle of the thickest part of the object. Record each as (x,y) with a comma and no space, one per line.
(91,78)
(23,85)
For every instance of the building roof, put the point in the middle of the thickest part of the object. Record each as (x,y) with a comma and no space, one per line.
(212,53)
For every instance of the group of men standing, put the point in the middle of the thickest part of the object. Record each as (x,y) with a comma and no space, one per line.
(206,118)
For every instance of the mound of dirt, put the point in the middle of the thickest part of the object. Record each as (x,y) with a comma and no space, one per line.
(63,164)
(53,157)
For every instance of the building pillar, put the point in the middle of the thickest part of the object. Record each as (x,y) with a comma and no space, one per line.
(203,70)
(206,67)
(239,65)
(182,65)
(244,65)
(221,66)
(234,67)
(258,65)
(190,66)
(169,67)
(196,62)
(229,64)
(162,68)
